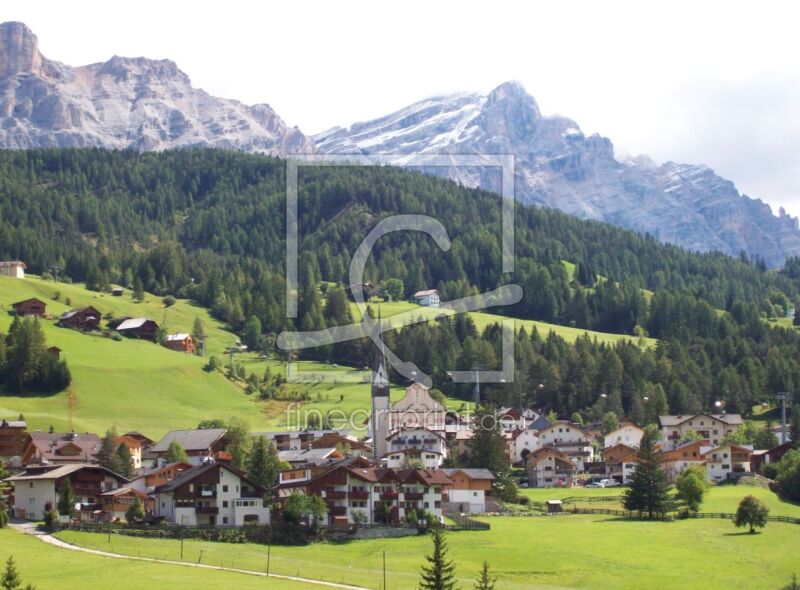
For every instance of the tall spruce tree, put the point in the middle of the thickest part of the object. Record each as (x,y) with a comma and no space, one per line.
(649,488)
(485,581)
(262,463)
(66,499)
(10,579)
(439,574)
(487,450)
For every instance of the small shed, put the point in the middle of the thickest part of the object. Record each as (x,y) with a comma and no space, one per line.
(55,351)
(117,291)
(554,506)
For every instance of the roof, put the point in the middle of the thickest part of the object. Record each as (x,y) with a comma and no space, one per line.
(308,455)
(411,451)
(177,337)
(13,263)
(332,440)
(124,490)
(681,418)
(737,448)
(48,444)
(13,424)
(26,301)
(190,440)
(426,292)
(190,474)
(68,314)
(470,473)
(59,471)
(132,324)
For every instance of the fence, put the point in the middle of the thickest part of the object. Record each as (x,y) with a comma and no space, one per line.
(718,515)
(465,523)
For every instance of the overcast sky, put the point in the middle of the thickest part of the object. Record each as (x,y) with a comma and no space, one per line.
(701,82)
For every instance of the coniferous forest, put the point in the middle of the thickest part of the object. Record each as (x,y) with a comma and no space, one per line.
(209,225)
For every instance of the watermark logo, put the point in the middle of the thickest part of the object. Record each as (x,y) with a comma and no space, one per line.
(371,328)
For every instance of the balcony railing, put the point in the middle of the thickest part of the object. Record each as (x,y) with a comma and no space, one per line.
(334,495)
(337,510)
(359,495)
(391,495)
(412,496)
(207,510)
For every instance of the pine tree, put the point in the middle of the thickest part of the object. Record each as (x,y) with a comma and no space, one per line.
(135,512)
(175,453)
(485,581)
(123,460)
(487,450)
(66,499)
(107,457)
(439,574)
(10,579)
(262,463)
(649,488)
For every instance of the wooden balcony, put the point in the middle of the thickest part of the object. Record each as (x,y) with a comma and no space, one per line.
(207,510)
(413,496)
(334,495)
(390,495)
(359,495)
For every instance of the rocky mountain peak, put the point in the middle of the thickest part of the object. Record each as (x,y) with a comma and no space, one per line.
(19,50)
(142,68)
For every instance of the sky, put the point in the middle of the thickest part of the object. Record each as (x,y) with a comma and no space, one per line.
(715,83)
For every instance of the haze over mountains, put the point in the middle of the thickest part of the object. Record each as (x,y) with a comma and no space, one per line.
(151,105)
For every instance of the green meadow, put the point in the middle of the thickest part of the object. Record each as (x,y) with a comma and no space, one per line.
(137,385)
(536,552)
(50,568)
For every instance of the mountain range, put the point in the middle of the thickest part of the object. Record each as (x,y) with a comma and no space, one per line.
(146,104)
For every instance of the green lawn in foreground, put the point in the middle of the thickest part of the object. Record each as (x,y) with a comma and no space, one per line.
(569,551)
(51,568)
(483,319)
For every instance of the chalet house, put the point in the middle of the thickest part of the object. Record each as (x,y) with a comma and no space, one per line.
(712,427)
(679,458)
(134,447)
(430,447)
(549,467)
(320,456)
(427,298)
(569,439)
(469,490)
(149,479)
(727,461)
(148,459)
(115,503)
(117,291)
(12,437)
(39,485)
(295,440)
(201,445)
(212,494)
(84,318)
(29,307)
(525,441)
(12,268)
(142,328)
(180,342)
(620,462)
(349,445)
(59,448)
(413,457)
(379,493)
(627,432)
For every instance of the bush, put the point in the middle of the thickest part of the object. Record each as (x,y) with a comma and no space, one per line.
(524,500)
(168,301)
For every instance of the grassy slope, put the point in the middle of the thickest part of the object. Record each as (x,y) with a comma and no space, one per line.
(138,385)
(541,552)
(48,567)
(483,319)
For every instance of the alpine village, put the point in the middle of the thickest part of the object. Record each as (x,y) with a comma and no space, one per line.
(217,370)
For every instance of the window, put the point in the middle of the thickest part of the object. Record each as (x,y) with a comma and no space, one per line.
(224,503)
(31,500)
(427,505)
(224,520)
(437,504)
(225,488)
(30,484)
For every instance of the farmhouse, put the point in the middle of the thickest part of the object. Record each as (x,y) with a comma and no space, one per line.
(115,503)
(180,342)
(711,427)
(626,432)
(549,467)
(620,462)
(201,445)
(39,485)
(29,307)
(679,458)
(12,268)
(59,448)
(212,494)
(469,490)
(12,437)
(727,461)
(142,328)
(427,298)
(84,318)
(761,458)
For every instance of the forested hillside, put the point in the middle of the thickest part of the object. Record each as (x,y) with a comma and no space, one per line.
(209,225)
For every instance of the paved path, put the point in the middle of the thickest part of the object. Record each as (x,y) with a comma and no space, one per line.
(30,529)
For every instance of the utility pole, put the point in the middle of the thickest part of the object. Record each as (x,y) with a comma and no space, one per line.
(782,398)
(384,570)
(269,549)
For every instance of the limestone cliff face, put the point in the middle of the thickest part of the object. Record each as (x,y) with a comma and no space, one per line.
(124,103)
(558,166)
